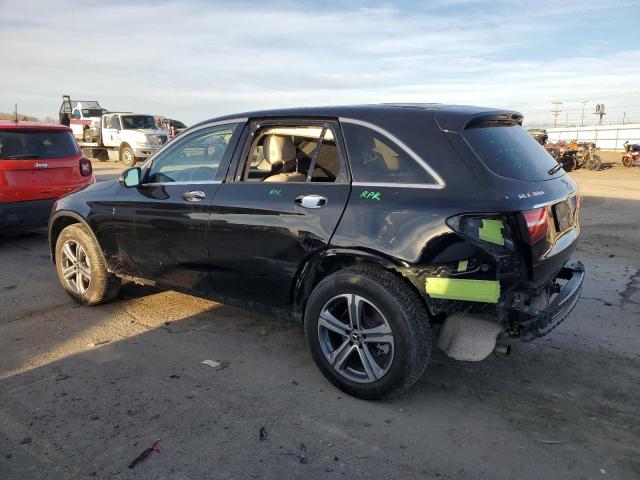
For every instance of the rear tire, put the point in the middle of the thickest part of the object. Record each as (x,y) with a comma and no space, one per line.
(386,350)
(81,268)
(127,156)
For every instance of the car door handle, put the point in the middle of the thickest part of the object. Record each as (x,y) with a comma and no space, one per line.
(194,196)
(311,201)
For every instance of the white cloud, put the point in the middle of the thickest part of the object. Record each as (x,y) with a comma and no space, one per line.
(195,60)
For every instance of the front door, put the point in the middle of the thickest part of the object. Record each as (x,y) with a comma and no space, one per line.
(111,130)
(168,213)
(279,206)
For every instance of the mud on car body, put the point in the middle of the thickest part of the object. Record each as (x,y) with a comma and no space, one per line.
(371,224)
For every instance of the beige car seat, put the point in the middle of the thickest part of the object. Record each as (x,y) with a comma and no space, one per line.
(280,149)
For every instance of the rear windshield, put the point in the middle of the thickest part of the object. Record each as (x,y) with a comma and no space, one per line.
(17,145)
(509,151)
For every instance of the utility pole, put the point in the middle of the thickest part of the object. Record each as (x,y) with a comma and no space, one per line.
(556,111)
(600,112)
(566,120)
(584,103)
(624,115)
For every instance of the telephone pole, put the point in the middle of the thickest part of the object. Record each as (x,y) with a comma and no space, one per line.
(556,111)
(584,103)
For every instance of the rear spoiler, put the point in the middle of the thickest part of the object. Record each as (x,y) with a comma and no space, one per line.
(456,119)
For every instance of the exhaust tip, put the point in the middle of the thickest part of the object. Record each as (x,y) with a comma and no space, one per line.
(502,349)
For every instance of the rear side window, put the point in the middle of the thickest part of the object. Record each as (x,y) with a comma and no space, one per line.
(509,151)
(16,145)
(376,158)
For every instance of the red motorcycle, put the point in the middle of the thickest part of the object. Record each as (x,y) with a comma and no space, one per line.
(631,158)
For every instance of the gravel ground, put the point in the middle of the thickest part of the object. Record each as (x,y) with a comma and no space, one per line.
(84,390)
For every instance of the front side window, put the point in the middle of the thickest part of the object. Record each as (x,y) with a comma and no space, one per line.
(293,153)
(91,112)
(195,159)
(375,158)
(17,145)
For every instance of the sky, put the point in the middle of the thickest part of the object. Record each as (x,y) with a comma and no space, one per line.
(196,59)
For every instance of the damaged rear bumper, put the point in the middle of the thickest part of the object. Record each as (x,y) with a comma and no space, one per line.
(533,323)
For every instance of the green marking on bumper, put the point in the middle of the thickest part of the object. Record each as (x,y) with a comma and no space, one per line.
(486,291)
(491,231)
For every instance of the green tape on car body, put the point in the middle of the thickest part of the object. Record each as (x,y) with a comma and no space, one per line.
(462,265)
(491,231)
(486,291)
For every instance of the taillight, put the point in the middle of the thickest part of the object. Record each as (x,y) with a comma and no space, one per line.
(537,223)
(85,167)
(489,230)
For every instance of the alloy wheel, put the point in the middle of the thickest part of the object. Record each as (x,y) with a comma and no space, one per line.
(356,338)
(75,267)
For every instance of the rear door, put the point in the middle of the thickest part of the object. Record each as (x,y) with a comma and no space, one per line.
(272,213)
(162,223)
(37,164)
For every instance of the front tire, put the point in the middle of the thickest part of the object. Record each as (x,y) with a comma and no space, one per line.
(81,268)
(627,161)
(127,156)
(368,332)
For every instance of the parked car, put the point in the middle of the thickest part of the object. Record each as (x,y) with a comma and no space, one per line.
(38,163)
(371,224)
(174,127)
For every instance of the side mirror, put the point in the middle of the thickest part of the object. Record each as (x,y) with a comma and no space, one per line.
(131,177)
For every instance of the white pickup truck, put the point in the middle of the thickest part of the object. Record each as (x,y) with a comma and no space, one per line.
(84,118)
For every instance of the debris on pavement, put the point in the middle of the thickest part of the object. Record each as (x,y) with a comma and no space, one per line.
(96,344)
(302,454)
(145,454)
(25,441)
(262,434)
(551,442)
(216,365)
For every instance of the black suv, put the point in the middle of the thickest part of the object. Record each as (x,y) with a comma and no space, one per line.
(371,224)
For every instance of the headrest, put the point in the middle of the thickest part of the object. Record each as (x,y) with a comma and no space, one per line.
(278,149)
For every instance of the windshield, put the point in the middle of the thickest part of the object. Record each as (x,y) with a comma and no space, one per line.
(132,122)
(509,151)
(18,145)
(91,112)
(178,124)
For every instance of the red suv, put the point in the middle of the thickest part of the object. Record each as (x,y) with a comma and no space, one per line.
(38,164)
